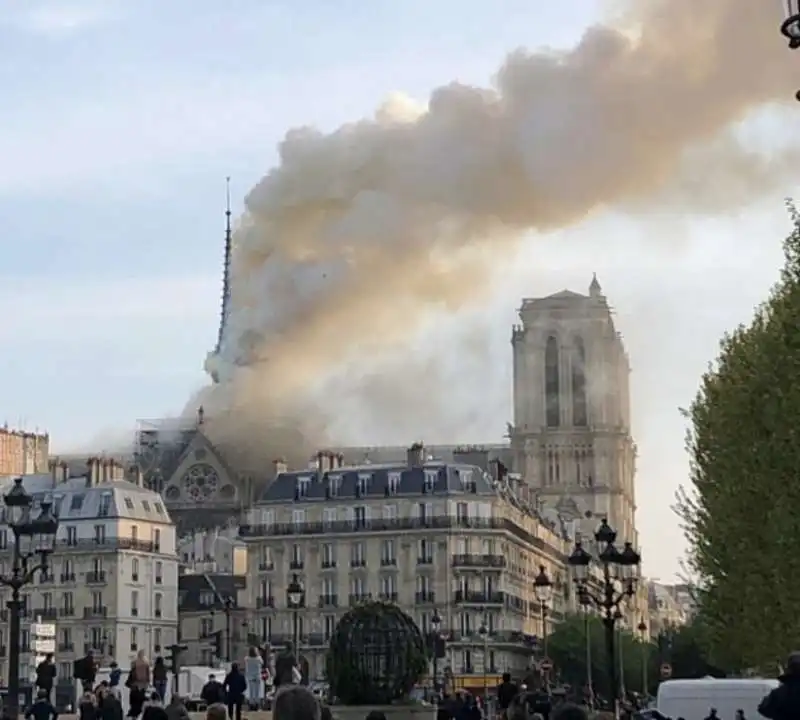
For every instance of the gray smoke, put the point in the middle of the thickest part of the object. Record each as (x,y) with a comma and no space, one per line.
(357,236)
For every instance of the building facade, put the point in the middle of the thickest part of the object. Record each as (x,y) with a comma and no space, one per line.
(23,453)
(571,435)
(112,585)
(452,539)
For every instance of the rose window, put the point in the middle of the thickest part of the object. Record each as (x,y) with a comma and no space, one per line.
(200,482)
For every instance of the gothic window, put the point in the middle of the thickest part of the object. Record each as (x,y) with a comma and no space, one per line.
(579,414)
(551,384)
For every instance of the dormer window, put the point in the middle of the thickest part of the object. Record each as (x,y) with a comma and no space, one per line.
(363,483)
(430,480)
(394,482)
(334,483)
(302,487)
(466,479)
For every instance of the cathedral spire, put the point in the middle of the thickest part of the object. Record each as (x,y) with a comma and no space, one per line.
(226,268)
(594,288)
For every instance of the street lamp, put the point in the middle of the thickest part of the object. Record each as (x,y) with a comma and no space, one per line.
(642,628)
(483,631)
(32,536)
(436,624)
(227,609)
(791,26)
(543,590)
(620,574)
(295,599)
(586,602)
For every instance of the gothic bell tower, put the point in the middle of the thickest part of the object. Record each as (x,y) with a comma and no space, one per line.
(571,435)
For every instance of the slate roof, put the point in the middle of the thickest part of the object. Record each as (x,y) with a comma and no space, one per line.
(75,499)
(373,481)
(194,589)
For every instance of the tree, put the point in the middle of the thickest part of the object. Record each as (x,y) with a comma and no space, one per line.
(741,518)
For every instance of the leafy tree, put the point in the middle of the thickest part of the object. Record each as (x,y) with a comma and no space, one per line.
(742,518)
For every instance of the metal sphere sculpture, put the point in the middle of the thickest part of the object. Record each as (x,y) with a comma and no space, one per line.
(376,656)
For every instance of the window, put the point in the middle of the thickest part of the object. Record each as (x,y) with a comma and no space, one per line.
(425,551)
(157,639)
(96,637)
(360,517)
(134,602)
(388,552)
(298,518)
(128,503)
(97,601)
(159,508)
(466,661)
(134,638)
(328,626)
(105,505)
(67,570)
(328,518)
(328,555)
(3,539)
(424,512)
(328,587)
(146,506)
(363,483)
(135,570)
(206,627)
(394,482)
(462,512)
(57,498)
(134,532)
(465,623)
(159,572)
(72,535)
(266,628)
(552,387)
(423,585)
(68,604)
(157,600)
(358,587)
(302,487)
(100,534)
(25,641)
(579,415)
(388,587)
(334,482)
(430,480)
(465,476)
(358,556)
(297,555)
(390,512)
(47,601)
(97,566)
(76,503)
(157,540)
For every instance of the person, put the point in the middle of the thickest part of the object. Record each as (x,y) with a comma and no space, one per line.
(784,701)
(253,665)
(42,709)
(115,675)
(87,709)
(176,710)
(138,682)
(216,711)
(110,704)
(46,674)
(213,692)
(154,709)
(295,702)
(160,678)
(712,714)
(235,687)
(740,714)
(506,692)
(85,670)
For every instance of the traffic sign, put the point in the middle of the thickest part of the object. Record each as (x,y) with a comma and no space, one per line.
(546,665)
(43,630)
(666,671)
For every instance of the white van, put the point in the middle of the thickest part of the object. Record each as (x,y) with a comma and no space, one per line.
(693,699)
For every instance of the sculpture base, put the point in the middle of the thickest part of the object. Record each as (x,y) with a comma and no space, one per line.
(392,712)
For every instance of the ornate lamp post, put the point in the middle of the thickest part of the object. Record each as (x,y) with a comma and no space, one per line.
(436,624)
(585,603)
(296,600)
(32,537)
(543,590)
(790,27)
(620,574)
(642,628)
(483,632)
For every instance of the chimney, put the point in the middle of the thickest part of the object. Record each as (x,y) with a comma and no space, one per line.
(53,466)
(472,455)
(135,475)
(279,467)
(337,461)
(64,471)
(105,470)
(415,455)
(92,471)
(497,470)
(323,461)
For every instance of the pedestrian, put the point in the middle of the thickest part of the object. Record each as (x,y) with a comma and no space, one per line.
(213,692)
(160,678)
(42,709)
(138,683)
(46,674)
(235,688)
(176,710)
(783,702)
(506,692)
(110,704)
(87,708)
(295,702)
(154,709)
(115,675)
(253,666)
(216,712)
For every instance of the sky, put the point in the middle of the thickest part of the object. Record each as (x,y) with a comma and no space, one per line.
(119,122)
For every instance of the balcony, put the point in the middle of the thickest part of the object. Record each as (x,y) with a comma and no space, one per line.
(67,611)
(66,647)
(388,562)
(388,596)
(48,613)
(159,580)
(329,601)
(135,577)
(328,564)
(358,563)
(425,560)
(266,566)
(296,565)
(265,602)
(46,578)
(95,612)
(424,598)
(67,577)
(158,612)
(476,597)
(96,578)
(358,598)
(496,562)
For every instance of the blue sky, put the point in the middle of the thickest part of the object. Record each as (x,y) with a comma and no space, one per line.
(119,121)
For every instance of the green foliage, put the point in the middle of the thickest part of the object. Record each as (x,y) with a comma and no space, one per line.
(741,517)
(376,656)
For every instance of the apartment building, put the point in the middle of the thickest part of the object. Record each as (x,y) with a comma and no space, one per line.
(213,618)
(112,585)
(447,539)
(23,453)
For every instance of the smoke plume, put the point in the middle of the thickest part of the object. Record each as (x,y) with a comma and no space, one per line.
(359,236)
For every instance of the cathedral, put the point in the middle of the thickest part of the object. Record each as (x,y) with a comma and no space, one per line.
(570,441)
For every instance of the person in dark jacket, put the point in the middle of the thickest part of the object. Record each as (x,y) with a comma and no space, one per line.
(506,692)
(783,702)
(160,678)
(109,704)
(213,692)
(154,708)
(46,674)
(87,708)
(42,709)
(235,688)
